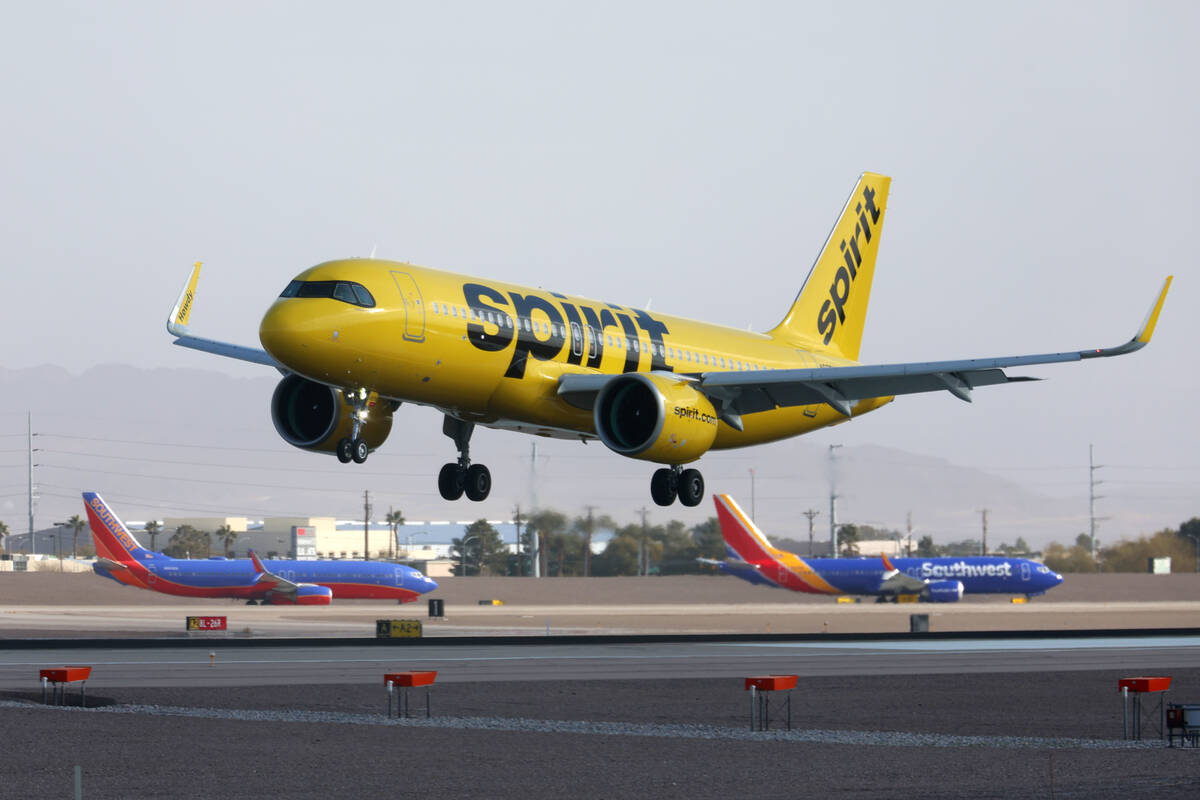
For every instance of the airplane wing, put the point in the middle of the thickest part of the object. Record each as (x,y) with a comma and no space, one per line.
(177,327)
(737,393)
(277,583)
(897,582)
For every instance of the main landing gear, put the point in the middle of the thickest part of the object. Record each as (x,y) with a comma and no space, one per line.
(474,480)
(353,448)
(670,482)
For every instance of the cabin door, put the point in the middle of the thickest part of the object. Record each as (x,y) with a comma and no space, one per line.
(414,307)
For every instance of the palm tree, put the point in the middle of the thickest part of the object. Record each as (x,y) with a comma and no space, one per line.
(3,533)
(76,524)
(152,529)
(394,519)
(226,535)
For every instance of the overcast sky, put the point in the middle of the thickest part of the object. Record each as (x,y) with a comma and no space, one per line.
(689,154)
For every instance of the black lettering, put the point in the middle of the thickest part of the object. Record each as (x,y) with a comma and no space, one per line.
(869,197)
(631,340)
(575,354)
(597,322)
(839,298)
(849,260)
(826,321)
(528,343)
(854,247)
(866,229)
(474,293)
(656,330)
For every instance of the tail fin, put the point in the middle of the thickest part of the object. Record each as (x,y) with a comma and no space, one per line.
(742,537)
(113,540)
(831,308)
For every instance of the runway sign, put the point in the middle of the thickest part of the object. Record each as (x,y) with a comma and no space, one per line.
(206,624)
(397,629)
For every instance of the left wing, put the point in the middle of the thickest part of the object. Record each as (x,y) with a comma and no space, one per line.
(277,583)
(897,582)
(177,327)
(737,393)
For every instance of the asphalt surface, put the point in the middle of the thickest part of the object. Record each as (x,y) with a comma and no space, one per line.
(870,720)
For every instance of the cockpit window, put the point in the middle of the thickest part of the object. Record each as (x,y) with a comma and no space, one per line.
(353,293)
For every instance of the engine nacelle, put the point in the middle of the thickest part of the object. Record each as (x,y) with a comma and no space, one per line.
(655,419)
(944,591)
(307,594)
(313,416)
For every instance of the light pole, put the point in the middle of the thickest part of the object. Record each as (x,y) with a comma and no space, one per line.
(463,548)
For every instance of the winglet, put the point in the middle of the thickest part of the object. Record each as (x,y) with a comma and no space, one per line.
(258,564)
(177,322)
(1147,330)
(1142,337)
(887,563)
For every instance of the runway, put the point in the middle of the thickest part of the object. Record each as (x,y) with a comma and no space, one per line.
(475,662)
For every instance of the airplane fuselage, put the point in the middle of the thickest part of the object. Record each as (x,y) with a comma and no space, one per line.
(234,578)
(492,353)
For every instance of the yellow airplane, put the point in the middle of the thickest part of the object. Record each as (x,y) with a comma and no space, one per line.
(355,338)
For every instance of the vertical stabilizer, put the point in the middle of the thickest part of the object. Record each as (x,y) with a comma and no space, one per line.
(831,308)
(113,540)
(742,537)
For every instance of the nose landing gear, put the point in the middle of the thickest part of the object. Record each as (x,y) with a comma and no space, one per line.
(463,477)
(353,448)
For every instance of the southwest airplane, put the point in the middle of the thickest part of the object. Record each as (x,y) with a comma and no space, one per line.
(355,338)
(306,583)
(940,580)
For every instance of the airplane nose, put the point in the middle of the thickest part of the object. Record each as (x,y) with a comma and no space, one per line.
(294,335)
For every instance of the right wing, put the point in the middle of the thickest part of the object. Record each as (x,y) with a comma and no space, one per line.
(177,327)
(736,393)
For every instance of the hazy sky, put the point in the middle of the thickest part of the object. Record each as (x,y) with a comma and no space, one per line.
(692,154)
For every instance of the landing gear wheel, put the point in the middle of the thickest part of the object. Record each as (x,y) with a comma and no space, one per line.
(344,451)
(478,482)
(662,487)
(691,487)
(450,483)
(252,602)
(359,451)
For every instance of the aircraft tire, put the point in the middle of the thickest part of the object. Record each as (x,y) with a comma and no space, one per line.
(661,490)
(478,483)
(691,487)
(344,451)
(450,483)
(359,451)
(251,602)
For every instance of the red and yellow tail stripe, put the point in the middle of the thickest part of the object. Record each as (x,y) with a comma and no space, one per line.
(747,542)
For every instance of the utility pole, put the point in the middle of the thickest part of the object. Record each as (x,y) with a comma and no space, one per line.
(811,513)
(833,496)
(1092,498)
(29,443)
(517,522)
(644,556)
(983,544)
(753,510)
(908,545)
(366,525)
(587,543)
(533,477)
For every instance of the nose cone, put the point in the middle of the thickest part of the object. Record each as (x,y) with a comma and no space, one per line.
(297,334)
(430,585)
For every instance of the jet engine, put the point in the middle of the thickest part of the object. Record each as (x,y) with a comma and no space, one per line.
(944,591)
(654,418)
(307,594)
(313,416)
